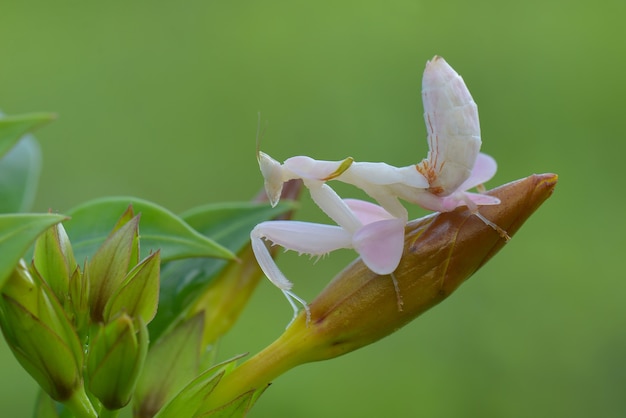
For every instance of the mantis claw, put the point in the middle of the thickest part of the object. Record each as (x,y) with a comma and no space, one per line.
(397,289)
(290,297)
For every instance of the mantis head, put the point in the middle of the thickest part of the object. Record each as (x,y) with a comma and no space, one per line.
(272,172)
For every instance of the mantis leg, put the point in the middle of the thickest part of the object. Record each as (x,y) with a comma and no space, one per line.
(330,202)
(304,237)
(471,199)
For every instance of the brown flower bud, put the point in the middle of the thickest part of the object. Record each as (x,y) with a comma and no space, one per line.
(359,307)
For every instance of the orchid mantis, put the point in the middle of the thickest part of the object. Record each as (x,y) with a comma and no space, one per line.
(439,183)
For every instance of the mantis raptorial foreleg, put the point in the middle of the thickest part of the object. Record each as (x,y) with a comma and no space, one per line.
(381,255)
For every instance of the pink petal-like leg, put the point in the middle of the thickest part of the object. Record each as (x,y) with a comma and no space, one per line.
(333,206)
(380,245)
(304,237)
(472,200)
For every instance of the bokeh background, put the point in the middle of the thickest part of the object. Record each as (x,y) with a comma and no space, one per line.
(159,100)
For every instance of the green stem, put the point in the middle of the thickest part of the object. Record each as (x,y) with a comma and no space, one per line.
(106,413)
(256,373)
(79,404)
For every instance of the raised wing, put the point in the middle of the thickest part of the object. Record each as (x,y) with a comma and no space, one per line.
(451,118)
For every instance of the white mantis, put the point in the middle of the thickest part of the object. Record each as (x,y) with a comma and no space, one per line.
(439,183)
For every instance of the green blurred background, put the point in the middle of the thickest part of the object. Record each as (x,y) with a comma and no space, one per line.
(159,100)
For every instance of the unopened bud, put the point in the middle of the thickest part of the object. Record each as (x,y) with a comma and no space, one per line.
(40,335)
(116,356)
(359,307)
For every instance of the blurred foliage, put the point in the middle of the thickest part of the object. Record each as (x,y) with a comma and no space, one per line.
(159,100)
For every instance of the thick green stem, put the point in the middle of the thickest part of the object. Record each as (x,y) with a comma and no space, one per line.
(257,372)
(105,413)
(80,405)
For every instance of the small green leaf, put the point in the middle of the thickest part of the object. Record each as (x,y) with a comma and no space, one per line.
(19,176)
(237,408)
(182,280)
(12,128)
(17,232)
(231,223)
(45,407)
(172,362)
(160,229)
(189,400)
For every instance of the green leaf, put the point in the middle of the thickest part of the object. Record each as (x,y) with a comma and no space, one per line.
(159,229)
(237,408)
(17,232)
(189,400)
(183,280)
(45,407)
(19,176)
(12,128)
(231,223)
(172,362)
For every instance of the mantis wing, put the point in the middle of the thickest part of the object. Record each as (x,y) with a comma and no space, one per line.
(451,117)
(484,169)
